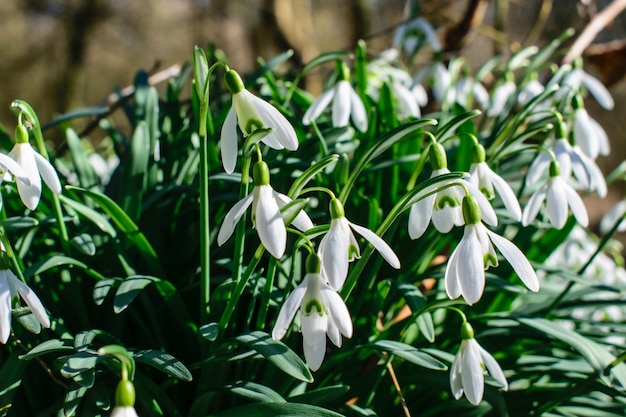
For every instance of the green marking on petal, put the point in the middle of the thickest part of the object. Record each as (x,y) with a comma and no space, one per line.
(353,252)
(446,200)
(490,260)
(252,125)
(314,304)
(488,192)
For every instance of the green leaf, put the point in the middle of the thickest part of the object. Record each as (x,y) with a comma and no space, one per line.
(87,176)
(49,346)
(277,353)
(408,353)
(164,362)
(79,362)
(209,331)
(10,379)
(135,170)
(320,396)
(277,410)
(27,319)
(84,243)
(200,72)
(17,223)
(98,219)
(416,302)
(52,262)
(447,130)
(132,286)
(102,288)
(72,400)
(255,392)
(76,114)
(83,339)
(309,173)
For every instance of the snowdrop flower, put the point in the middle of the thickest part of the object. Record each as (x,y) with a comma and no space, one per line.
(589,134)
(443,207)
(578,78)
(487,181)
(339,246)
(437,76)
(266,217)
(613,216)
(10,289)
(465,272)
(467,88)
(469,366)
(251,113)
(124,399)
(346,104)
(501,95)
(34,168)
(409,34)
(529,91)
(322,312)
(559,195)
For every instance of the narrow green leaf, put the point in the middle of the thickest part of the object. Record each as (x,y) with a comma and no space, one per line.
(416,302)
(27,319)
(98,219)
(408,353)
(132,286)
(102,288)
(49,346)
(164,362)
(278,353)
(309,173)
(209,331)
(255,392)
(52,262)
(84,243)
(447,130)
(76,114)
(10,379)
(83,340)
(277,410)
(18,222)
(79,362)
(320,396)
(133,184)
(87,177)
(72,400)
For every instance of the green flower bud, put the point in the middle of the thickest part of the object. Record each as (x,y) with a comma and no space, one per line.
(438,158)
(467,332)
(313,264)
(478,153)
(233,82)
(21,134)
(125,394)
(561,132)
(555,168)
(261,173)
(336,209)
(471,210)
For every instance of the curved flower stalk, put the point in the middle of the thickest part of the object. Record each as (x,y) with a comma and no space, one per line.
(251,113)
(465,272)
(10,289)
(490,183)
(266,217)
(346,104)
(559,195)
(322,312)
(469,366)
(589,134)
(34,167)
(444,207)
(339,247)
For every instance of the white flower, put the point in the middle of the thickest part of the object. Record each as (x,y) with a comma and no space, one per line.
(467,88)
(251,113)
(613,216)
(559,195)
(10,288)
(339,247)
(407,35)
(469,366)
(266,217)
(465,272)
(346,105)
(501,95)
(437,76)
(486,180)
(529,91)
(578,78)
(589,135)
(124,412)
(322,312)
(34,167)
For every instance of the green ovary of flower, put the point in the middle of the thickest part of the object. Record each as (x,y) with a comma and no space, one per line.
(314,304)
(446,200)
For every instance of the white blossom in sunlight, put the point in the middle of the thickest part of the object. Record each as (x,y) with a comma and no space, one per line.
(346,105)
(251,113)
(322,312)
(559,197)
(613,216)
(467,88)
(465,271)
(339,247)
(266,216)
(436,76)
(501,95)
(469,366)
(12,288)
(590,135)
(529,91)
(124,412)
(578,78)
(35,168)
(408,36)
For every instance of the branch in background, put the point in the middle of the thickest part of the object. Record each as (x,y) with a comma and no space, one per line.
(599,22)
(456,36)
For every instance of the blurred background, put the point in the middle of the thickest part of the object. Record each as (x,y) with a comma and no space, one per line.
(61,55)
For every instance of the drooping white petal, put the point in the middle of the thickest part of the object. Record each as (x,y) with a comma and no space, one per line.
(470,266)
(493,367)
(556,202)
(598,90)
(538,167)
(119,411)
(228,141)
(333,333)
(456,386)
(269,223)
(534,204)
(5,307)
(419,216)
(486,210)
(379,244)
(231,219)
(338,311)
(420,94)
(507,195)
(471,371)
(613,216)
(288,311)
(318,106)
(576,204)
(314,327)
(9,165)
(480,94)
(283,134)
(341,104)
(302,221)
(518,261)
(406,101)
(358,113)
(441,81)
(48,173)
(29,296)
(451,276)
(334,254)
(501,95)
(30,192)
